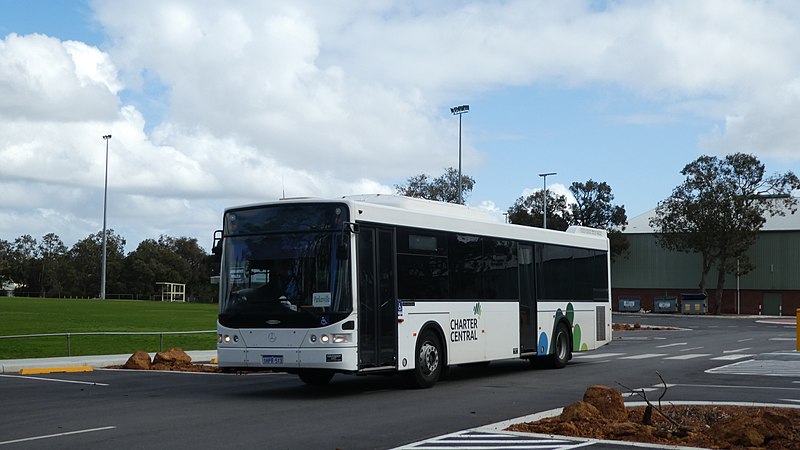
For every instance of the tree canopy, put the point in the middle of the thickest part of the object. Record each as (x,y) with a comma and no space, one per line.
(593,208)
(47,268)
(529,210)
(443,188)
(718,211)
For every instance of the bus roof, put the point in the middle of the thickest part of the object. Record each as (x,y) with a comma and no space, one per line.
(427,214)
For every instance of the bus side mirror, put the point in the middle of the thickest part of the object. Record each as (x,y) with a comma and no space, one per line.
(216,248)
(343,249)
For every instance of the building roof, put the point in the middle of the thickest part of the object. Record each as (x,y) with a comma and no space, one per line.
(790,222)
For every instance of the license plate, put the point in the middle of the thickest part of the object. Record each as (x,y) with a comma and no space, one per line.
(271,360)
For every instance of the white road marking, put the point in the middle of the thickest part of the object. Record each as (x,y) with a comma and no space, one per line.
(644,356)
(598,355)
(689,356)
(744,340)
(671,345)
(737,350)
(690,349)
(36,438)
(731,357)
(27,377)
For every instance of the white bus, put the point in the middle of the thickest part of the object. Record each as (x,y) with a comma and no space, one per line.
(386,284)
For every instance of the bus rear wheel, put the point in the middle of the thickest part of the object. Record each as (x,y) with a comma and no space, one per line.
(561,350)
(429,361)
(316,377)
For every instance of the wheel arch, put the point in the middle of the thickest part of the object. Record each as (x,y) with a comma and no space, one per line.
(436,328)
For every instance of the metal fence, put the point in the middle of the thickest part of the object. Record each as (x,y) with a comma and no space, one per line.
(109,333)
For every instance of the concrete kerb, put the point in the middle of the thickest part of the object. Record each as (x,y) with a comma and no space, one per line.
(94,361)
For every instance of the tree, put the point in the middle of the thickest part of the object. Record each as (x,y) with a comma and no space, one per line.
(5,263)
(82,278)
(718,211)
(151,262)
(529,211)
(24,259)
(178,260)
(443,188)
(593,208)
(200,266)
(52,252)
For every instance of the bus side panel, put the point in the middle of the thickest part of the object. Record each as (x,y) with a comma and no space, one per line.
(411,317)
(473,331)
(500,320)
(590,324)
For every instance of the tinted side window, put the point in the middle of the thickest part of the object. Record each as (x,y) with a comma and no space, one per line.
(482,268)
(575,274)
(422,269)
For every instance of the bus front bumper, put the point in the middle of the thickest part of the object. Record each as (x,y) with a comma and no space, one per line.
(343,359)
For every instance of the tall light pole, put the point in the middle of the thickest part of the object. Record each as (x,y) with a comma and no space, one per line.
(105,202)
(458,111)
(544,194)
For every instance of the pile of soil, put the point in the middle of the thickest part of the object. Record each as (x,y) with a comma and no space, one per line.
(174,359)
(602,415)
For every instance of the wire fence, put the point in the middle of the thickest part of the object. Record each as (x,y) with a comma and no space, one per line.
(69,336)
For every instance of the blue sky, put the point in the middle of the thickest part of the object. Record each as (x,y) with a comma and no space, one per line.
(217,104)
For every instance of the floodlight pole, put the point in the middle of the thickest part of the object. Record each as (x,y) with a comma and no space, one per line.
(459,111)
(105,202)
(544,194)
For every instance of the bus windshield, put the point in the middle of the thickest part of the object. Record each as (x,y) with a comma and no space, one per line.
(285,280)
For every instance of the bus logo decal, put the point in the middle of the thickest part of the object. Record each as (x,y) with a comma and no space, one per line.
(476,310)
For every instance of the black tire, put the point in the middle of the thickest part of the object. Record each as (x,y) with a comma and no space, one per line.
(316,377)
(562,351)
(429,361)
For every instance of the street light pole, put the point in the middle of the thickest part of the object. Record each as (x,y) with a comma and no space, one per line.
(544,194)
(105,202)
(458,111)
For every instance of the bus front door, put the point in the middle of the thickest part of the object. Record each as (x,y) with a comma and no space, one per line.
(377,301)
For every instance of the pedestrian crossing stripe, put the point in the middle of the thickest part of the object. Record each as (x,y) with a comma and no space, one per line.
(481,440)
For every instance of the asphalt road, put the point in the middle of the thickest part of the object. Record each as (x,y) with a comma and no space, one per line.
(704,360)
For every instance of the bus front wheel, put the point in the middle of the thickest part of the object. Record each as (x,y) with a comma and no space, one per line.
(316,377)
(429,361)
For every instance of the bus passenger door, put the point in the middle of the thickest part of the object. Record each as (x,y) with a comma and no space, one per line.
(527,301)
(377,302)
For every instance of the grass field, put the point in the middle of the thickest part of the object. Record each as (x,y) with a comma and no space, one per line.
(20,315)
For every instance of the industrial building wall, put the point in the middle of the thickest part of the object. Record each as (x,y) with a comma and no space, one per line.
(772,287)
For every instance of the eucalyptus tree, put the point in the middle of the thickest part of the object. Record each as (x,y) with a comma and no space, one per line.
(443,189)
(52,253)
(529,210)
(718,211)
(594,208)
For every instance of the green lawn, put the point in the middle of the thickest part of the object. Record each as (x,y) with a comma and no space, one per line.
(19,315)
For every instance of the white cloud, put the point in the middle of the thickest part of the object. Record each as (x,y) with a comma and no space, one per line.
(315,98)
(42,78)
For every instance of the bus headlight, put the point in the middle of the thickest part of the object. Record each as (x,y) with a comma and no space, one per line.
(324,338)
(226,339)
(341,338)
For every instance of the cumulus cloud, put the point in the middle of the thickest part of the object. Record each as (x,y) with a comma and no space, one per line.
(266,99)
(42,78)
